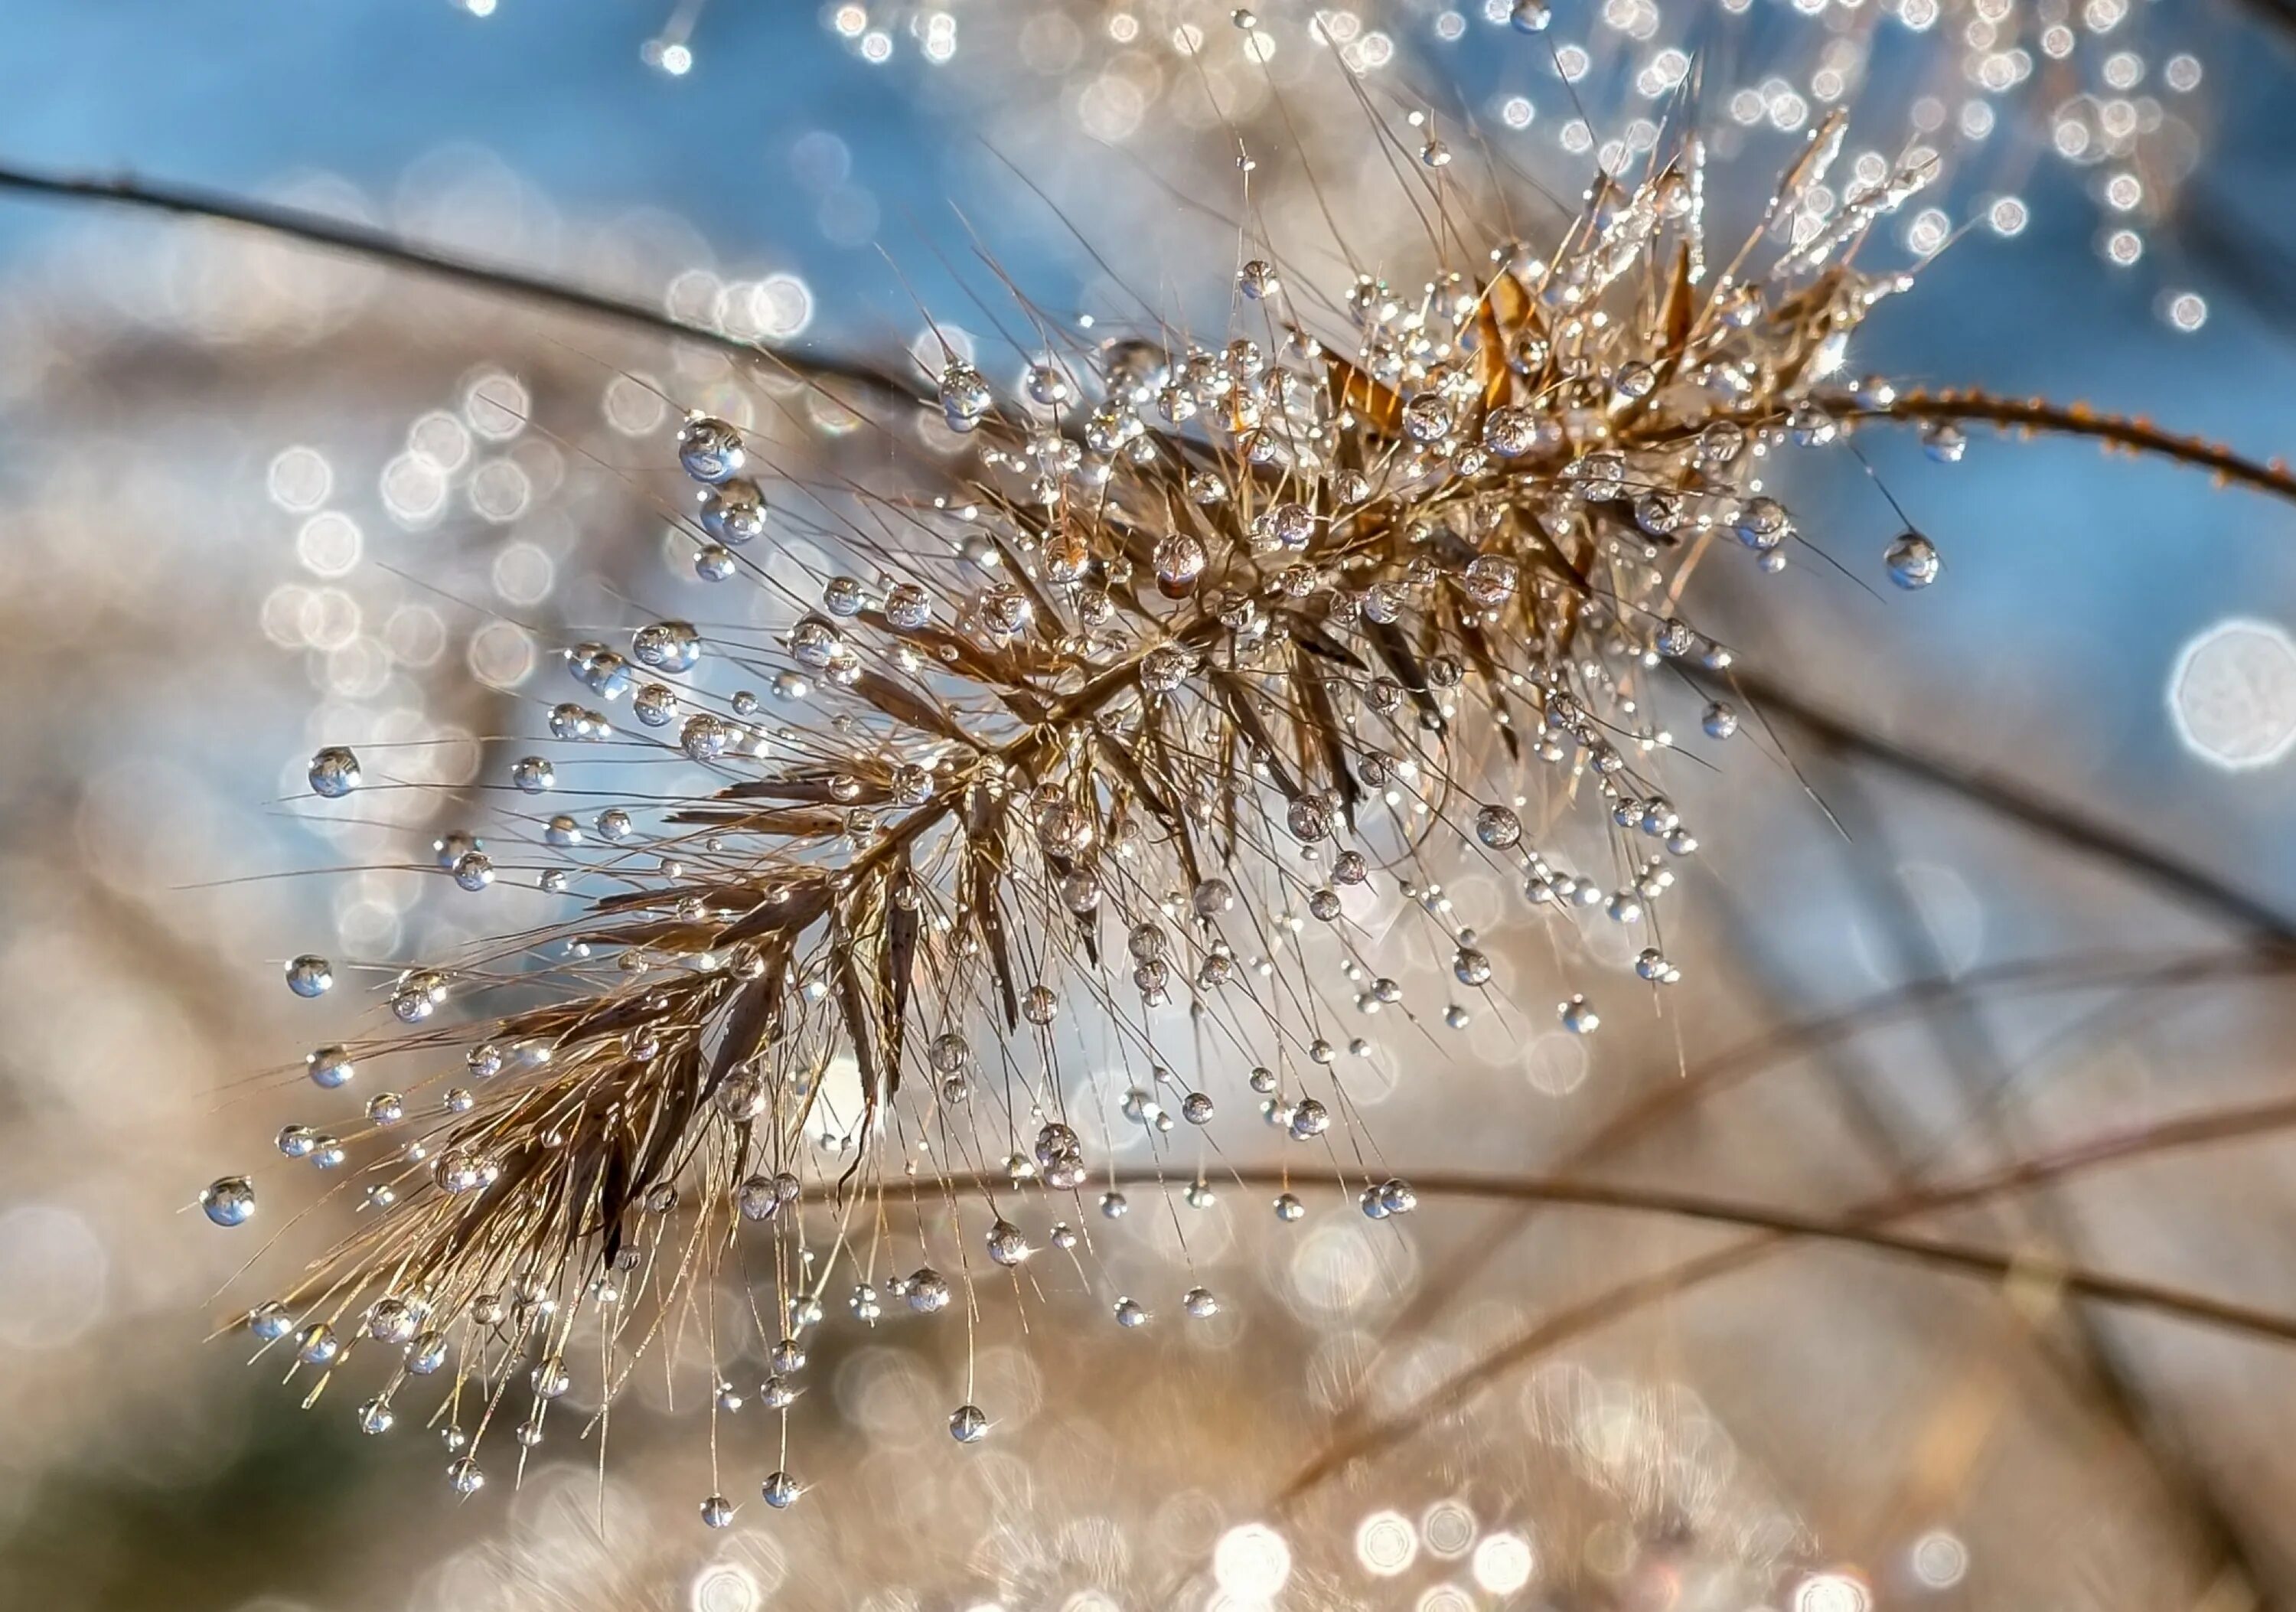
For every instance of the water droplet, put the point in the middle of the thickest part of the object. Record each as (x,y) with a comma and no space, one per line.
(309,975)
(229,1200)
(1913,560)
(334,772)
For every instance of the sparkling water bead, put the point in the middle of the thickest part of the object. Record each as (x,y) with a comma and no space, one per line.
(1531,16)
(375,1417)
(733,512)
(1007,1245)
(310,975)
(1945,442)
(475,870)
(1428,418)
(229,1200)
(316,1344)
(709,449)
(1578,1017)
(533,775)
(329,1068)
(1720,719)
(968,1424)
(334,772)
(1200,1303)
(1289,1208)
(671,646)
(780,1491)
(964,396)
(908,606)
(716,1512)
(927,1290)
(1497,826)
(1913,560)
(462,1475)
(270,1320)
(1131,1313)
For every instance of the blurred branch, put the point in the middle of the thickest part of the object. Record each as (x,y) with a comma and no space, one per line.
(2051,819)
(1865,1226)
(381,246)
(1749,1059)
(2095,1361)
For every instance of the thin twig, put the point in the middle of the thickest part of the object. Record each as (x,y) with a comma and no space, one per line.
(2138,435)
(2052,819)
(1941,1252)
(381,245)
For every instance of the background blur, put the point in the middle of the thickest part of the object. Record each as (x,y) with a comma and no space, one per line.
(255,497)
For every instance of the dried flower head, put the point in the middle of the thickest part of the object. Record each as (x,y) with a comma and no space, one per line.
(1057,844)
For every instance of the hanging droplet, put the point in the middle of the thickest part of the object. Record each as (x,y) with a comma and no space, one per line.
(229,1200)
(671,646)
(309,975)
(964,396)
(1007,1245)
(329,1068)
(716,1512)
(709,449)
(968,1424)
(733,512)
(334,772)
(1913,560)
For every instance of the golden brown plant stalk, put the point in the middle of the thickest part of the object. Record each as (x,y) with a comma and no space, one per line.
(1121,748)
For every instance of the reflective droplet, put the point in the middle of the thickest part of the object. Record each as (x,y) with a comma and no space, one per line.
(709,449)
(1913,560)
(229,1200)
(309,975)
(334,772)
(329,1068)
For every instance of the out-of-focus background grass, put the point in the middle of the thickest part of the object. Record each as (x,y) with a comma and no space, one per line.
(249,504)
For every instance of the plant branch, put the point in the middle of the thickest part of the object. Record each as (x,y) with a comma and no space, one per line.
(381,246)
(2137,435)
(2052,819)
